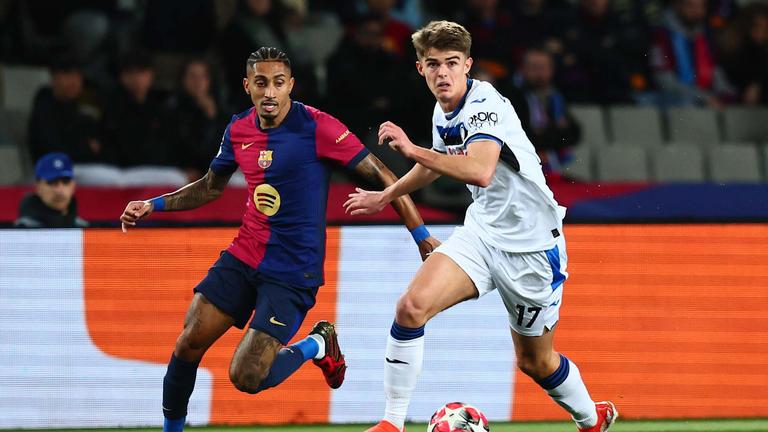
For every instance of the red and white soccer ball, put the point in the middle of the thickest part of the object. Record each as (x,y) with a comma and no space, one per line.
(458,417)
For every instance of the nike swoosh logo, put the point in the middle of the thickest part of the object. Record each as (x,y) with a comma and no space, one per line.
(274,321)
(478,101)
(246,145)
(395,361)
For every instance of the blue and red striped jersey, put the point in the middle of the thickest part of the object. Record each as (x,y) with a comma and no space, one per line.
(287,171)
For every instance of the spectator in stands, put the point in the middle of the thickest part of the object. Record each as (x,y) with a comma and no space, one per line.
(134,117)
(354,98)
(683,59)
(397,34)
(536,23)
(543,112)
(491,28)
(746,54)
(53,203)
(256,23)
(604,58)
(135,140)
(312,36)
(65,116)
(197,120)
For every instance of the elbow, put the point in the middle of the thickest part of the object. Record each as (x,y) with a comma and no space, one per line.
(483,179)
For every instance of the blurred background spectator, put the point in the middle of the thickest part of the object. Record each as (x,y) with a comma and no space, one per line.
(603,57)
(543,111)
(745,46)
(256,23)
(66,116)
(683,58)
(53,203)
(196,119)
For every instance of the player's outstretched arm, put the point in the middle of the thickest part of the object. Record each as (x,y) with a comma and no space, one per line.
(193,195)
(476,168)
(368,202)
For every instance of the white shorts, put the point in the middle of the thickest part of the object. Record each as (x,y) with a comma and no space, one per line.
(530,283)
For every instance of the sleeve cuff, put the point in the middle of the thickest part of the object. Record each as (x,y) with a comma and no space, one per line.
(484,137)
(358,157)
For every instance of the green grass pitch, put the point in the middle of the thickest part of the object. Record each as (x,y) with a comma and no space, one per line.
(753,425)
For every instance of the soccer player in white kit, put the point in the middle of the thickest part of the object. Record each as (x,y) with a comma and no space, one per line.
(512,238)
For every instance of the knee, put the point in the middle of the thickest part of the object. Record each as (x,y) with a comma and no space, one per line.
(536,366)
(247,380)
(412,311)
(189,348)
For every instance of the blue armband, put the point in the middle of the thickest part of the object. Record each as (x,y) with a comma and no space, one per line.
(158,204)
(419,233)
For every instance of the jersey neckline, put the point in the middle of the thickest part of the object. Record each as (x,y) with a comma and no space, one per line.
(294,104)
(455,112)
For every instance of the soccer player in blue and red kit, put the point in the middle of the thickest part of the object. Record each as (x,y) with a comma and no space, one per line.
(275,264)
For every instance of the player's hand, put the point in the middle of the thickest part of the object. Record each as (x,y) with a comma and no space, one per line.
(427,246)
(394,136)
(363,202)
(134,211)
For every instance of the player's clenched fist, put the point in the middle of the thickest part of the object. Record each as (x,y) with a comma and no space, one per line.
(134,211)
(395,137)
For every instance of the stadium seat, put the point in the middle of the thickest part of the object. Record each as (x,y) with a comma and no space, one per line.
(580,168)
(20,84)
(694,125)
(622,163)
(639,126)
(734,163)
(592,122)
(13,130)
(745,124)
(678,163)
(11,167)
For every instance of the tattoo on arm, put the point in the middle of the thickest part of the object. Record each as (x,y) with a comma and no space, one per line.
(197,193)
(372,171)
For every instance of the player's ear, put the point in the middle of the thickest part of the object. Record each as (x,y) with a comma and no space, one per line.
(291,82)
(420,67)
(245,86)
(468,65)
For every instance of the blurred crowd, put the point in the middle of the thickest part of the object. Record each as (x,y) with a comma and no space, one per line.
(138,87)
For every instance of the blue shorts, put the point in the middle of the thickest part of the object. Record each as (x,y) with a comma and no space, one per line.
(238,289)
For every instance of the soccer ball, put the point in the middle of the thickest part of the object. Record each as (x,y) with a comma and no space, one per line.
(458,417)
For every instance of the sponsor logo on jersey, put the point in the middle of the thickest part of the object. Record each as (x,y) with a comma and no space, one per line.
(265,158)
(267,199)
(342,136)
(483,119)
(457,150)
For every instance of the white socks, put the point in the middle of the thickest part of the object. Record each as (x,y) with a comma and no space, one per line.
(571,393)
(320,344)
(402,367)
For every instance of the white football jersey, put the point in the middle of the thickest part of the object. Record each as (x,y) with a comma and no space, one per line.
(517,212)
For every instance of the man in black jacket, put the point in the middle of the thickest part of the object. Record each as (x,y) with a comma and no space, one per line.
(53,204)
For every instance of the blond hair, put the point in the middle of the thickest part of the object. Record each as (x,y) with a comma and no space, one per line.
(441,35)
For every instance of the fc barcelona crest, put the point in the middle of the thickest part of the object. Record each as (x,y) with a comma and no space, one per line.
(265,158)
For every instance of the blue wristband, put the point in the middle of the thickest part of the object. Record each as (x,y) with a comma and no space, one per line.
(419,233)
(158,204)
